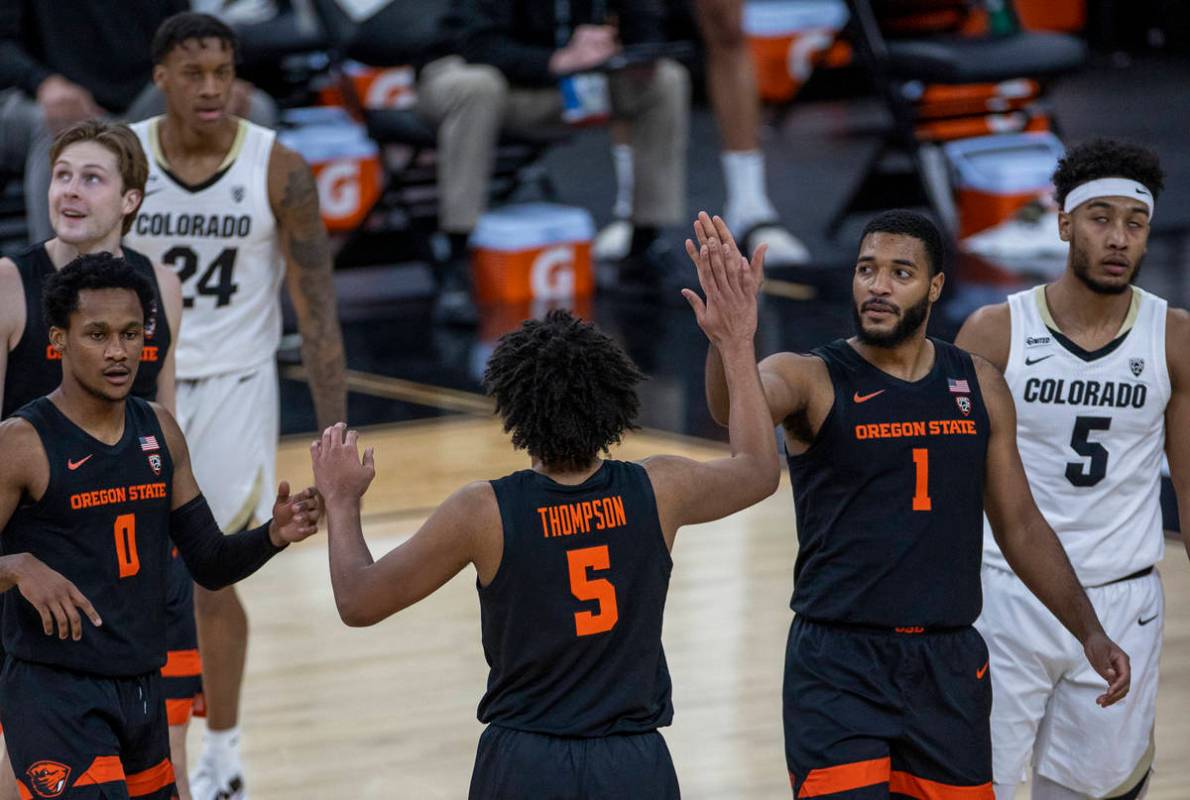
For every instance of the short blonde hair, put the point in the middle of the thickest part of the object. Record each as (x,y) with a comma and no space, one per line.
(122,142)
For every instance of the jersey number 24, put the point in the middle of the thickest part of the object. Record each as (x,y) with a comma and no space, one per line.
(216,280)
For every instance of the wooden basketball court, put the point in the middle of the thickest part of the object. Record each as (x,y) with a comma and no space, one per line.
(389,712)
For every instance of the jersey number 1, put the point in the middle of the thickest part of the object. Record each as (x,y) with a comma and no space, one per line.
(127,559)
(587,623)
(921,490)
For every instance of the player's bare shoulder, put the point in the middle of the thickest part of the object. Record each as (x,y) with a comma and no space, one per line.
(1177,347)
(799,392)
(291,183)
(25,464)
(12,303)
(988,333)
(175,440)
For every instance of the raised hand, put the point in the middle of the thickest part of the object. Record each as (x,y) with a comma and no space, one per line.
(706,226)
(339,472)
(729,314)
(1112,663)
(294,518)
(55,598)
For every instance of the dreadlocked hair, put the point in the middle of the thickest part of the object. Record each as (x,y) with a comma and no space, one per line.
(564,389)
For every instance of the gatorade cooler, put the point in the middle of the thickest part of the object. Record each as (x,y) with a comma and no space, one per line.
(532,251)
(994,176)
(786,38)
(345,163)
(377,88)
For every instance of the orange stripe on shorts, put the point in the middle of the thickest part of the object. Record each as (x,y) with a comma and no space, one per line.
(922,789)
(182,664)
(845,777)
(178,712)
(104,769)
(151,780)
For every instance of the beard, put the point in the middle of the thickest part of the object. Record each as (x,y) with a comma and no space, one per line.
(910,322)
(1080,265)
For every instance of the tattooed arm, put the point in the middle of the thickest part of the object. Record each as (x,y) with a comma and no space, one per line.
(294,199)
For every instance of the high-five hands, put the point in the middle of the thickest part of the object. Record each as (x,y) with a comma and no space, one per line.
(339,472)
(294,518)
(729,281)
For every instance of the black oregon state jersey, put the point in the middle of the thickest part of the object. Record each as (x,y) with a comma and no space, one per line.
(889,497)
(572,620)
(35,368)
(103,523)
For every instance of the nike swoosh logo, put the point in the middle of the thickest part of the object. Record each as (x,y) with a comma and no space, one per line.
(979,673)
(1141,191)
(863,398)
(1146,621)
(73,465)
(1031,361)
(152,192)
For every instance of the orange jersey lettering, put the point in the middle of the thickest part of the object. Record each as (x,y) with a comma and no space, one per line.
(916,429)
(569,519)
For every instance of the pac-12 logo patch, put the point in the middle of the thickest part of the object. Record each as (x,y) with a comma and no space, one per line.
(48,778)
(1137,365)
(155,463)
(964,404)
(237,193)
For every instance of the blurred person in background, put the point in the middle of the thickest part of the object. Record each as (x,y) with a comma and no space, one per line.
(514,67)
(731,84)
(59,68)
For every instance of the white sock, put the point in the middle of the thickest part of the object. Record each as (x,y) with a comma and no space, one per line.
(747,199)
(622,164)
(1004,791)
(1045,789)
(225,741)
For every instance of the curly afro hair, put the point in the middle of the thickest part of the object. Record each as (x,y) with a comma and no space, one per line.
(565,390)
(1107,158)
(60,297)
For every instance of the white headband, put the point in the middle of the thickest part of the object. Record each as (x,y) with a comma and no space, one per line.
(1108,187)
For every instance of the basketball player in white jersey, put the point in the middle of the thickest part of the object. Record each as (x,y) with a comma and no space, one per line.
(233,213)
(1099,374)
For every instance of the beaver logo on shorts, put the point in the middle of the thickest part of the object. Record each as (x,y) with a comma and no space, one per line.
(48,778)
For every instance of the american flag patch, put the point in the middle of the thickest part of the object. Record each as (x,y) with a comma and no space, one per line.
(959,387)
(148,443)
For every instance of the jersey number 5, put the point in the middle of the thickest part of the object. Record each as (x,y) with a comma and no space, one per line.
(127,559)
(1078,473)
(216,280)
(587,623)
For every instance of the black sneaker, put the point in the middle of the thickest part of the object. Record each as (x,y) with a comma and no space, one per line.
(454,305)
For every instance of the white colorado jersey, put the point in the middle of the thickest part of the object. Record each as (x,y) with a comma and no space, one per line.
(1091,432)
(220,237)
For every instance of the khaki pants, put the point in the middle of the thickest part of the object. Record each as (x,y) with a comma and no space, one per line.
(472,103)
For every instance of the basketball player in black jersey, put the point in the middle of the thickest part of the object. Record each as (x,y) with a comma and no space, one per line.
(572,556)
(94,487)
(98,171)
(895,442)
